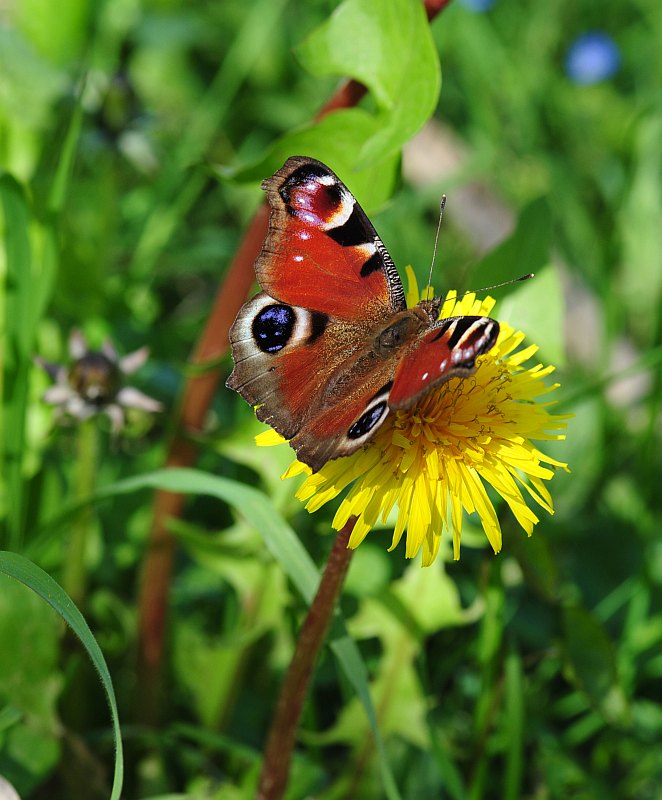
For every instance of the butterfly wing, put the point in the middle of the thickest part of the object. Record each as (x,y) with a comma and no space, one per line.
(303,347)
(320,385)
(328,347)
(448,349)
(321,251)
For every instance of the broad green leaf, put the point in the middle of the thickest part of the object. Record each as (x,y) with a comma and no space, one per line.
(527,249)
(335,141)
(420,602)
(537,308)
(386,45)
(32,576)
(208,665)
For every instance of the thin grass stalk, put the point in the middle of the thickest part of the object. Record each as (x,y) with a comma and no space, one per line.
(293,693)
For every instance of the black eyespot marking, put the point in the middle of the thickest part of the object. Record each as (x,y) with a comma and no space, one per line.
(353,232)
(272,327)
(365,423)
(318,323)
(469,363)
(373,264)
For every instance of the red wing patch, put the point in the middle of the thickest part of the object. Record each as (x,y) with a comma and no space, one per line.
(447,350)
(322,252)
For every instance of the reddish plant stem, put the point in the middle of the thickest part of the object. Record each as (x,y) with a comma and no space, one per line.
(293,693)
(433,7)
(347,96)
(196,398)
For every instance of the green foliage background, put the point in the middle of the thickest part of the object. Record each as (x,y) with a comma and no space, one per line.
(133,136)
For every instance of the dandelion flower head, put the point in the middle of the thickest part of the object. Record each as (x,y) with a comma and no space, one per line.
(433,461)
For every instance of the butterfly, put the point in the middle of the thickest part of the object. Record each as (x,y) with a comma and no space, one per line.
(328,348)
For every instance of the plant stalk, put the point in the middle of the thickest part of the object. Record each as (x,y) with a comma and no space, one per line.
(285,724)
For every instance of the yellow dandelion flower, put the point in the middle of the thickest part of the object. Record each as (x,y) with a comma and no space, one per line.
(434,460)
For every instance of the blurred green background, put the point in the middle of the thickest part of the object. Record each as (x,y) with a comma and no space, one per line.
(133,136)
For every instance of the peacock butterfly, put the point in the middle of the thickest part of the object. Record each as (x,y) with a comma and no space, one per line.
(328,347)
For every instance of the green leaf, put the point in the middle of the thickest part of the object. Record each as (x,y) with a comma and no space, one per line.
(335,141)
(420,602)
(525,250)
(32,576)
(387,46)
(537,308)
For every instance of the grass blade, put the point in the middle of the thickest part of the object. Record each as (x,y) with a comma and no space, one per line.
(32,576)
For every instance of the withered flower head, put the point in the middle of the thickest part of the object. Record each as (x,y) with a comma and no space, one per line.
(93,383)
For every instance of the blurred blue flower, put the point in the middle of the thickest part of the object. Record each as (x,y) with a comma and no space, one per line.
(592,57)
(478,5)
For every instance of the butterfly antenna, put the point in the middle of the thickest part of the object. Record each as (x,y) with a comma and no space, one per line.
(505,283)
(442,205)
(494,286)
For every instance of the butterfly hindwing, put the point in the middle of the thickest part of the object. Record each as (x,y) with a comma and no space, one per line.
(326,393)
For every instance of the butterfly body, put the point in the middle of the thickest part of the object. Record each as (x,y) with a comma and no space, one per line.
(329,348)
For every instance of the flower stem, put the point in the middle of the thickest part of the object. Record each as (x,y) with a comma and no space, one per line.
(74,571)
(284,726)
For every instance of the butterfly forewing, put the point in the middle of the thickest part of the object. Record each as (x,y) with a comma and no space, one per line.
(447,350)
(322,252)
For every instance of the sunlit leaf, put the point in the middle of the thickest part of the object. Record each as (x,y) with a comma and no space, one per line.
(387,46)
